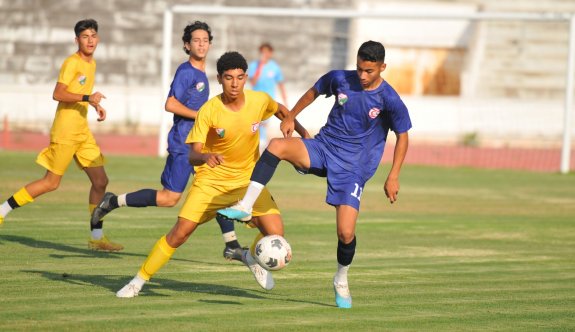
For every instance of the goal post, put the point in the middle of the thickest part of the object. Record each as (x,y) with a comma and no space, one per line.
(568,18)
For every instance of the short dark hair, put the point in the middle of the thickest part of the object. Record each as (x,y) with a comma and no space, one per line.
(231,60)
(85,25)
(197,25)
(371,51)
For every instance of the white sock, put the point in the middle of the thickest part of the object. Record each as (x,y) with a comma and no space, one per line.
(5,208)
(252,194)
(138,281)
(122,200)
(341,274)
(230,236)
(97,234)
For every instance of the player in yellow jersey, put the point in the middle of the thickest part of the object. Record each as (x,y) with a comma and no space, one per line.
(70,136)
(224,148)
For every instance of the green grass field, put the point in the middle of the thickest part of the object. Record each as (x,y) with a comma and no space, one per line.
(462,249)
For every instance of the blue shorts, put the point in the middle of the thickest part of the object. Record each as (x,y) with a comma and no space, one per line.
(343,186)
(177,172)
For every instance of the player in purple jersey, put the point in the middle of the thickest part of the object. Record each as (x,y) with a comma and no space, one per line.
(188,92)
(347,150)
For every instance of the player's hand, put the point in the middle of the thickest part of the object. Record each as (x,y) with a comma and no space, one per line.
(287,126)
(391,189)
(95,98)
(101,113)
(213,159)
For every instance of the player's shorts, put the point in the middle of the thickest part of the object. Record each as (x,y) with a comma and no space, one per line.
(203,201)
(343,186)
(177,172)
(57,156)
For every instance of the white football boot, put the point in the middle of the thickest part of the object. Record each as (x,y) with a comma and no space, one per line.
(262,276)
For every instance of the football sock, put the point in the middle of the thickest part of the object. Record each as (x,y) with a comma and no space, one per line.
(20,198)
(253,246)
(142,198)
(345,252)
(252,194)
(341,274)
(96,230)
(138,281)
(261,175)
(265,168)
(5,208)
(121,200)
(228,232)
(160,255)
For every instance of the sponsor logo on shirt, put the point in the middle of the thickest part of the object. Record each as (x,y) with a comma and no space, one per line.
(200,86)
(341,99)
(221,132)
(374,112)
(82,79)
(255,127)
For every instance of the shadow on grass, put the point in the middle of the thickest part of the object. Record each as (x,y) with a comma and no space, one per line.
(75,252)
(157,286)
(114,283)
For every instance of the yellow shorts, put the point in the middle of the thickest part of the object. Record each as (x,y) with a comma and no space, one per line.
(203,201)
(58,156)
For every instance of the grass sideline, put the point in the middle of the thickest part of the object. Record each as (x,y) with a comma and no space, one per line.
(462,249)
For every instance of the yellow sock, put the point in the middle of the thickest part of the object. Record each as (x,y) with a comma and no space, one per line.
(253,247)
(22,197)
(160,255)
(91,208)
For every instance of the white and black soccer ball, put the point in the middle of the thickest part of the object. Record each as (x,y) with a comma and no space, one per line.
(273,252)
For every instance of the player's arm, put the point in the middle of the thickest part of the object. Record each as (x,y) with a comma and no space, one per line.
(197,157)
(61,94)
(282,89)
(282,113)
(391,186)
(173,105)
(288,123)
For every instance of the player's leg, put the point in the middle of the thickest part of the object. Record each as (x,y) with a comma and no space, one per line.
(55,158)
(26,194)
(290,149)
(159,256)
(99,180)
(346,220)
(269,222)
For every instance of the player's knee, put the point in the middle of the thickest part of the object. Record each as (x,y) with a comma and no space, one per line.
(275,146)
(167,199)
(100,183)
(51,185)
(345,236)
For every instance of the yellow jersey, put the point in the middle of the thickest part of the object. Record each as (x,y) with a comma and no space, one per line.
(234,135)
(70,123)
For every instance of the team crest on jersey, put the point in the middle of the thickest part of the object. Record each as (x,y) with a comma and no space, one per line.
(200,86)
(221,132)
(82,79)
(374,112)
(341,99)
(255,127)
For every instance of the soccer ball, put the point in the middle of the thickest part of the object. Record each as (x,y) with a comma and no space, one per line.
(273,252)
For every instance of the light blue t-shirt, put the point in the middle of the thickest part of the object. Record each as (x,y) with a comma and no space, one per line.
(270,76)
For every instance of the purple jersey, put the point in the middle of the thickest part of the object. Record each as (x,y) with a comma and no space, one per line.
(190,87)
(358,123)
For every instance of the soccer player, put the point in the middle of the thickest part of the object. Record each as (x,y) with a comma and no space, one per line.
(70,136)
(189,91)
(224,147)
(347,150)
(266,75)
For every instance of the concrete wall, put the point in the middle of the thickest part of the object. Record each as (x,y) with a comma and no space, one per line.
(503,68)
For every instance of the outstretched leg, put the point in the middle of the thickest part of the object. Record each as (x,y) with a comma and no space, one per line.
(346,219)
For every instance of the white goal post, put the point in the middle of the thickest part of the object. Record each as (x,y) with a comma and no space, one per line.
(350,13)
